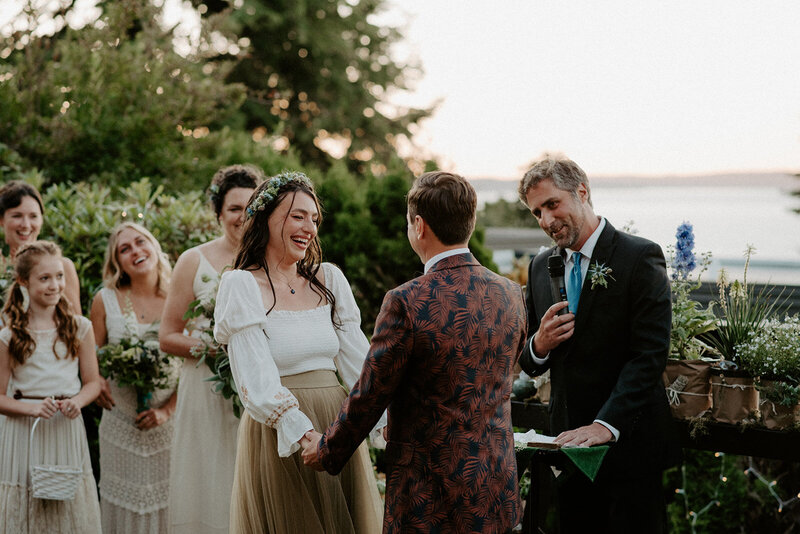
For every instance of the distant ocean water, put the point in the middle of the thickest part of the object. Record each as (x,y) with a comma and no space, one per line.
(726,220)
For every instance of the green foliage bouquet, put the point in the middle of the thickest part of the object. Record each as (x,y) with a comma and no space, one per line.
(137,363)
(211,353)
(773,352)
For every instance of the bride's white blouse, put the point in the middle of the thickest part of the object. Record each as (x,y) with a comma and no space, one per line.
(262,348)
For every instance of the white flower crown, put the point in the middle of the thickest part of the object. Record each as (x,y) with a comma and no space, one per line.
(269,193)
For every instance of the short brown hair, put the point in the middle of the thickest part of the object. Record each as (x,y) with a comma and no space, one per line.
(447,202)
(565,173)
(230,177)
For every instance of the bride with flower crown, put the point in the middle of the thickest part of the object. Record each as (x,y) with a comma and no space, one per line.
(291,325)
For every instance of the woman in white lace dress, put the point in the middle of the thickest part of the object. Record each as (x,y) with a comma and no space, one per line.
(290,325)
(134,446)
(47,360)
(204,446)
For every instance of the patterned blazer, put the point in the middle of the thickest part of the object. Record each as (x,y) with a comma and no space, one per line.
(441,360)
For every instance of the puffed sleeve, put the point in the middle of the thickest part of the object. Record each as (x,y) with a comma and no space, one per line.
(353,344)
(240,320)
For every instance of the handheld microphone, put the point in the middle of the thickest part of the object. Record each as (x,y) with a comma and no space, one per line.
(555,266)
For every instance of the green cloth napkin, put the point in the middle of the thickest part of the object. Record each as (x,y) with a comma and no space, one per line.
(587,459)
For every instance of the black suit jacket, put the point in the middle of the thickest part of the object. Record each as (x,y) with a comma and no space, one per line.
(611,367)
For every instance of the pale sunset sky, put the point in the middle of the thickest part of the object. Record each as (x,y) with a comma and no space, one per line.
(647,87)
(622,87)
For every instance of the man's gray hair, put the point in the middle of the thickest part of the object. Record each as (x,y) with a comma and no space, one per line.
(565,173)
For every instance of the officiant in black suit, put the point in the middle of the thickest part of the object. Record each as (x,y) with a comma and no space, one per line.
(606,355)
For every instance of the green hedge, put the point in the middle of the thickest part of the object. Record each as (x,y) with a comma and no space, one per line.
(79,217)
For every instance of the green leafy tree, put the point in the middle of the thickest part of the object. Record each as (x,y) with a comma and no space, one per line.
(111,101)
(318,73)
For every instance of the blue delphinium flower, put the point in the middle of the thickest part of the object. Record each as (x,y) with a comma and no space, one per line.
(684,261)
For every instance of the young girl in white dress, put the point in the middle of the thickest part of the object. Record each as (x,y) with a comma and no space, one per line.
(47,359)
(204,444)
(134,447)
(291,324)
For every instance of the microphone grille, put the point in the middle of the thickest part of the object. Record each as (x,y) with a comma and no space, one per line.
(555,265)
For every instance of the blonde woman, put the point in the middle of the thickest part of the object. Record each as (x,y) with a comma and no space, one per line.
(134,445)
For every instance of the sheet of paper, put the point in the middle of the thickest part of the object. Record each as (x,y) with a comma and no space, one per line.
(531,436)
(533,439)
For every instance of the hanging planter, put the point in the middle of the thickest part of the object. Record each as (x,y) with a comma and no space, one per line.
(688,386)
(734,396)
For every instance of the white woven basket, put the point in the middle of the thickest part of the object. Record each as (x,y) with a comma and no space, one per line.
(54,482)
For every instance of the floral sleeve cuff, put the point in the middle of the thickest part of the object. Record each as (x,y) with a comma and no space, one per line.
(290,428)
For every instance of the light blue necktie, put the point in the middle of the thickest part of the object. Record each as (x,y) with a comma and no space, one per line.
(574,283)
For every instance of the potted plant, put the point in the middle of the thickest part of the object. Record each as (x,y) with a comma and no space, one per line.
(743,313)
(688,370)
(773,353)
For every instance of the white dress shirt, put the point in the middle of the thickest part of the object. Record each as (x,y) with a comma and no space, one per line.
(442,255)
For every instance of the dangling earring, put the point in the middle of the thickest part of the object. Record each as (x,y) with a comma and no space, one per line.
(26,300)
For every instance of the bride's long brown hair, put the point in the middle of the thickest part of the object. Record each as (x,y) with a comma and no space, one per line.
(252,251)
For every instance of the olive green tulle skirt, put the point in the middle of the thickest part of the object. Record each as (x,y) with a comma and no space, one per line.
(282,495)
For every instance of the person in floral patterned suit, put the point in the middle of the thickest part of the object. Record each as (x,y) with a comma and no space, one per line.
(441,360)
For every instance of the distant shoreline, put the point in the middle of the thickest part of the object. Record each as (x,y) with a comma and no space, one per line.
(784,181)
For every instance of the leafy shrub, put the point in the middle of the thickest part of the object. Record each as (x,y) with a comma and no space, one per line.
(80,216)
(773,351)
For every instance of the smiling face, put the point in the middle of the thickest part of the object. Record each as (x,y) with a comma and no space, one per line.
(231,216)
(45,282)
(136,255)
(292,227)
(22,223)
(562,215)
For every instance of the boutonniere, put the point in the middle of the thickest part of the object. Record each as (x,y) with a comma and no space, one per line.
(599,274)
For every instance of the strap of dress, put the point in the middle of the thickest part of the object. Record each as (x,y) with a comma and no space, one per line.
(111,302)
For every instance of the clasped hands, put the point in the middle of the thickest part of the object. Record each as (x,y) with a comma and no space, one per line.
(310,444)
(49,406)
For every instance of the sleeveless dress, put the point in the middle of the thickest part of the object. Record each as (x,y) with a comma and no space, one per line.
(204,444)
(285,365)
(57,441)
(134,464)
